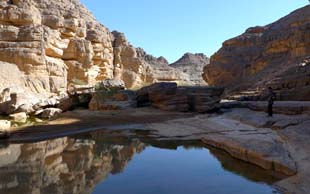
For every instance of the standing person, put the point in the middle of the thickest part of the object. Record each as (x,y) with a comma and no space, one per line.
(271,98)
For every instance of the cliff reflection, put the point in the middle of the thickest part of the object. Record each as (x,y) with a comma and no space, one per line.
(77,164)
(65,165)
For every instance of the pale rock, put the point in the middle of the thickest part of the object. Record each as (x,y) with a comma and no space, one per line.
(5,124)
(19,117)
(111,84)
(40,36)
(80,50)
(5,127)
(50,113)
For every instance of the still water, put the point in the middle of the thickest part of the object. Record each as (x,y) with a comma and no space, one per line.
(102,163)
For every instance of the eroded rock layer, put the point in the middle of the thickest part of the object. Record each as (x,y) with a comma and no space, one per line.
(49,47)
(137,68)
(192,64)
(275,55)
(51,44)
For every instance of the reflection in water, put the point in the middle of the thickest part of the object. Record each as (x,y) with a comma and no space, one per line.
(78,164)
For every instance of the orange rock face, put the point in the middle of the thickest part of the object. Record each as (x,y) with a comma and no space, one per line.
(272,55)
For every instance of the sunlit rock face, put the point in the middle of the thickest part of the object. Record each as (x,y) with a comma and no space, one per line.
(45,46)
(62,165)
(267,55)
(54,43)
(137,68)
(48,46)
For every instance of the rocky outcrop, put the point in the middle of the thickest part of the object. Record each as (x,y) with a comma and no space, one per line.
(54,43)
(113,100)
(111,95)
(273,55)
(50,112)
(48,47)
(137,68)
(192,64)
(279,107)
(168,96)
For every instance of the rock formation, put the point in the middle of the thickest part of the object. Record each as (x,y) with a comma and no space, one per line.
(170,97)
(54,43)
(269,55)
(137,68)
(192,64)
(47,47)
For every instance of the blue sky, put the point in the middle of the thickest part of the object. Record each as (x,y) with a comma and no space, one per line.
(171,28)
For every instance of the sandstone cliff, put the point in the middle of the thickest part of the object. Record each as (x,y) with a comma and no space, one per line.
(51,44)
(273,55)
(48,46)
(137,68)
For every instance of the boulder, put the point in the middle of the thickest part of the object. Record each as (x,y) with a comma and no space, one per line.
(109,84)
(168,96)
(4,128)
(19,117)
(161,91)
(119,100)
(50,113)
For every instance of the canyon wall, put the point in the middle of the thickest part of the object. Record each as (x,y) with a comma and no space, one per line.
(275,55)
(137,68)
(48,46)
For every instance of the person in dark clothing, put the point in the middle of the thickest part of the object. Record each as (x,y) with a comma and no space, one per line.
(271,98)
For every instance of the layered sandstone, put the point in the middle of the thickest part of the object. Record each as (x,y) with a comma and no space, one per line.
(137,68)
(192,64)
(273,55)
(49,47)
(54,43)
(169,97)
(46,46)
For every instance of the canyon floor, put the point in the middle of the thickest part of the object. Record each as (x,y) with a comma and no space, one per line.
(279,143)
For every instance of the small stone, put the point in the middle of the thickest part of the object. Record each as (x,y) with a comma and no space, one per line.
(19,117)
(5,126)
(38,112)
(50,113)
(37,120)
